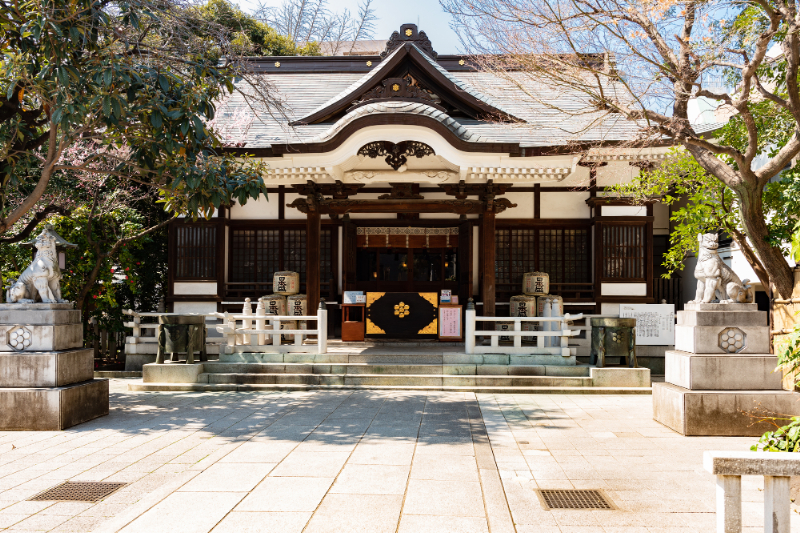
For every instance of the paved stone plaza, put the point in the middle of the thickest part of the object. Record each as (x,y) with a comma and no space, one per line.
(369,461)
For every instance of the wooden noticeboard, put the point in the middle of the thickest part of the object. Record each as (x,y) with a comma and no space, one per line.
(451,324)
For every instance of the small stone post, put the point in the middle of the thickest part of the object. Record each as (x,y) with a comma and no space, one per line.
(261,323)
(247,310)
(322,328)
(469,330)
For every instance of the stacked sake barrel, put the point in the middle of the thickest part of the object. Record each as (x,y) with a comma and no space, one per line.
(535,301)
(285,300)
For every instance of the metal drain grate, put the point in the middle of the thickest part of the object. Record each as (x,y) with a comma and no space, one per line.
(78,491)
(575,499)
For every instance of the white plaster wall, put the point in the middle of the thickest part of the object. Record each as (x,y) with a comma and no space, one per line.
(262,208)
(199,287)
(660,219)
(609,309)
(194,307)
(524,201)
(564,204)
(623,289)
(615,172)
(290,213)
(624,211)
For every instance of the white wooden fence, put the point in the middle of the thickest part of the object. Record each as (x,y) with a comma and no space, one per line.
(552,336)
(263,333)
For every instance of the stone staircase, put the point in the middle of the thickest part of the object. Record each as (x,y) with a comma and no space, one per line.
(417,368)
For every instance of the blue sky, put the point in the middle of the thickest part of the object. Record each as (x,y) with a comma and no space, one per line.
(428,14)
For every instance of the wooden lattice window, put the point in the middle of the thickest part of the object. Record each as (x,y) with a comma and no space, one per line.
(624,250)
(195,252)
(256,254)
(564,253)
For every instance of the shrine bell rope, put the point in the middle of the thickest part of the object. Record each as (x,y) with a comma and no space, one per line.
(385,232)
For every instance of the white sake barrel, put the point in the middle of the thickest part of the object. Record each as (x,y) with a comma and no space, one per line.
(286,283)
(536,283)
(523,305)
(288,324)
(297,305)
(504,326)
(274,304)
(557,305)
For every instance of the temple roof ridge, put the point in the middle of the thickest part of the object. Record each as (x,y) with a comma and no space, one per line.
(453,89)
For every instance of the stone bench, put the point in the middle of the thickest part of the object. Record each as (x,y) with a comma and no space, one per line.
(777,469)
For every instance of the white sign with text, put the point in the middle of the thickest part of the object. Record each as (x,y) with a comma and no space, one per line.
(655,323)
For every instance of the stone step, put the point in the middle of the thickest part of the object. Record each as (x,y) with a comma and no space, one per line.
(408,380)
(231,387)
(381,369)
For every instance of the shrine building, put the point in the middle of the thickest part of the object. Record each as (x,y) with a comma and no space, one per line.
(411,171)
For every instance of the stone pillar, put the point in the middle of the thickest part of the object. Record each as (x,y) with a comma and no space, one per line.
(46,375)
(721,375)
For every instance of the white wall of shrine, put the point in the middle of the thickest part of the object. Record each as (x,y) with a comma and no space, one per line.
(261,209)
(564,205)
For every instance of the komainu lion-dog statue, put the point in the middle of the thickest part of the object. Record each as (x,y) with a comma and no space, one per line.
(713,276)
(41,280)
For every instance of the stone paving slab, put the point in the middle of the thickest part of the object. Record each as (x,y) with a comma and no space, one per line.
(373,461)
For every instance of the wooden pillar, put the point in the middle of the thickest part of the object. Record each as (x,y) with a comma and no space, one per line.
(488,255)
(313,257)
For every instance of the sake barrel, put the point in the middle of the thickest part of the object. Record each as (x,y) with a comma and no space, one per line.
(556,302)
(297,305)
(504,326)
(535,283)
(523,305)
(288,324)
(275,304)
(286,283)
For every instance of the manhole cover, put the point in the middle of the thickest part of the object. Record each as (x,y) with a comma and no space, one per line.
(80,491)
(574,499)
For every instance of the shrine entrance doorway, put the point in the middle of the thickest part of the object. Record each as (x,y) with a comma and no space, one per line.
(407,269)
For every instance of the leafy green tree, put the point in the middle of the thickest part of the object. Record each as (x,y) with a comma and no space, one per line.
(250,37)
(139,81)
(644,63)
(701,204)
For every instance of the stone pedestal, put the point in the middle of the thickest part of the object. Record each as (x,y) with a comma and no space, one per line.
(721,371)
(46,377)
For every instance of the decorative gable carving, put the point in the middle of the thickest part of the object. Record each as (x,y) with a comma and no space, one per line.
(408,34)
(405,88)
(396,155)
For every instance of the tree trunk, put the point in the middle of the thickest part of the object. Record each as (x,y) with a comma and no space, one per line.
(750,256)
(780,274)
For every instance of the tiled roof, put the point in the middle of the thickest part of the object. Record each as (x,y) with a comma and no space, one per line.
(399,108)
(553,116)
